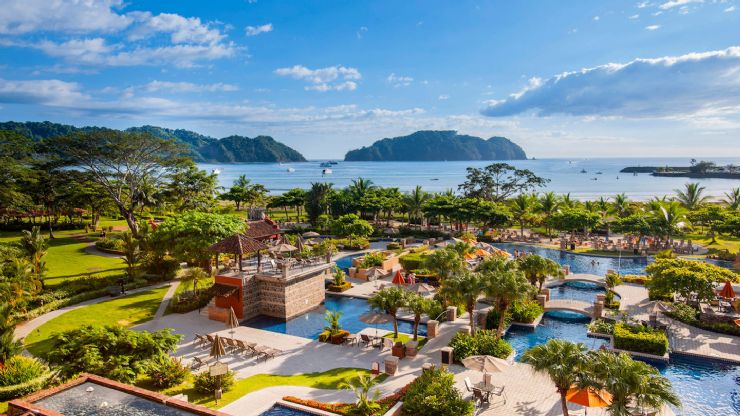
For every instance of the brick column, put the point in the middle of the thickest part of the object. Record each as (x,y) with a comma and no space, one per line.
(432,328)
(598,309)
(451,313)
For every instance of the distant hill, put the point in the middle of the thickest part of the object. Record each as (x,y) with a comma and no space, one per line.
(203,148)
(432,145)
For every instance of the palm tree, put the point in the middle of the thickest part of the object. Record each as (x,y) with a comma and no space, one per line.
(317,200)
(414,202)
(195,275)
(463,288)
(505,286)
(537,268)
(733,199)
(621,205)
(419,305)
(366,404)
(389,300)
(9,346)
(523,207)
(35,246)
(562,360)
(359,189)
(548,205)
(603,207)
(567,202)
(691,196)
(444,263)
(629,381)
(668,218)
(131,254)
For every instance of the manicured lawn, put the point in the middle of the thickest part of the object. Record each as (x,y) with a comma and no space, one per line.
(188,286)
(67,259)
(331,379)
(126,311)
(724,242)
(404,338)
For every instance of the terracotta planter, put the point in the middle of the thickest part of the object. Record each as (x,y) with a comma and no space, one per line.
(339,338)
(399,351)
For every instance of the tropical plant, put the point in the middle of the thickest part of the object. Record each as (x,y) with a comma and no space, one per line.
(434,393)
(389,300)
(338,277)
(9,346)
(205,383)
(630,383)
(189,235)
(130,254)
(499,181)
(351,226)
(687,277)
(732,199)
(463,288)
(414,202)
(523,209)
(563,361)
(333,326)
(691,195)
(35,246)
(537,269)
(548,205)
(621,205)
(444,263)
(317,200)
(195,275)
(366,403)
(165,371)
(506,287)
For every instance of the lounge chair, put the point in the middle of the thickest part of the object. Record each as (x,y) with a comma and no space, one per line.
(210,339)
(244,347)
(231,344)
(198,363)
(270,353)
(201,340)
(387,344)
(365,339)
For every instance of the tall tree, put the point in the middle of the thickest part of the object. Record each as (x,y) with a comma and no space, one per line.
(389,300)
(9,346)
(317,200)
(506,286)
(121,162)
(537,268)
(621,205)
(499,181)
(562,360)
(523,209)
(548,204)
(463,288)
(732,199)
(35,246)
(414,202)
(691,196)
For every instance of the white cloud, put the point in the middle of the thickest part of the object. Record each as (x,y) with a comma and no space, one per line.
(256,30)
(652,27)
(76,16)
(597,18)
(181,29)
(676,3)
(399,80)
(642,5)
(443,97)
(337,78)
(361,32)
(188,87)
(730,9)
(634,16)
(707,82)
(50,92)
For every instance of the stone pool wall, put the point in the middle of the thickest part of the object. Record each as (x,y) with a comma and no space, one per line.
(281,297)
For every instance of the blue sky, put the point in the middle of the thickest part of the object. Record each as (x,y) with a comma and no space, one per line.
(580,78)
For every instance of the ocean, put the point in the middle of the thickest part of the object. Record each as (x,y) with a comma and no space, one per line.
(564,174)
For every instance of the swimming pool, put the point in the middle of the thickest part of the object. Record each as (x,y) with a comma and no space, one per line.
(279,410)
(583,291)
(311,324)
(580,263)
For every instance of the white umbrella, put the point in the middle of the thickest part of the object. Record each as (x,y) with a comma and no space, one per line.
(282,248)
(309,234)
(375,318)
(232,321)
(374,273)
(485,363)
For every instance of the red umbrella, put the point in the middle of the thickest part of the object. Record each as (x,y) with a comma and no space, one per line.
(727,291)
(398,278)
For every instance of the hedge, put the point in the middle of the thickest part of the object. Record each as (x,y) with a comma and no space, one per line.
(339,288)
(483,342)
(638,338)
(527,311)
(412,261)
(23,389)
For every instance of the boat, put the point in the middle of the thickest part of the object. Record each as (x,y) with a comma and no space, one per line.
(599,173)
(333,162)
(325,165)
(216,171)
(291,170)
(326,171)
(434,179)
(583,171)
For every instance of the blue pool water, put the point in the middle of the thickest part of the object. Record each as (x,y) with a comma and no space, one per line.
(583,291)
(345,262)
(278,410)
(311,324)
(580,263)
(706,388)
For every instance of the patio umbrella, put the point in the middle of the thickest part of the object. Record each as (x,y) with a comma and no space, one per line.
(282,248)
(375,273)
(398,278)
(485,363)
(589,397)
(299,243)
(483,245)
(375,318)
(311,234)
(390,231)
(482,253)
(470,256)
(502,253)
(232,321)
(217,349)
(727,291)
(422,289)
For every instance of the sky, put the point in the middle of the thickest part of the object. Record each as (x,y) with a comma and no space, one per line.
(561,79)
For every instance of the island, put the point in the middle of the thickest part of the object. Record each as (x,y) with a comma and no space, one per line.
(232,149)
(697,170)
(435,145)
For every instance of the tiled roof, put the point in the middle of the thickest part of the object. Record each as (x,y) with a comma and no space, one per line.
(238,244)
(261,229)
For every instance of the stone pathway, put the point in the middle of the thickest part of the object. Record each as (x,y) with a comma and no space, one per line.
(166,299)
(690,340)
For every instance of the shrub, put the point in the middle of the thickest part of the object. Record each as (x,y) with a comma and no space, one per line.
(684,313)
(483,342)
(412,261)
(393,246)
(493,316)
(372,260)
(526,311)
(166,267)
(206,384)
(640,338)
(165,371)
(185,302)
(601,326)
(340,288)
(110,243)
(634,278)
(20,369)
(434,393)
(688,315)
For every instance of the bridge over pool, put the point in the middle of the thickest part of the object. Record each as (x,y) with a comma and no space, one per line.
(570,305)
(586,278)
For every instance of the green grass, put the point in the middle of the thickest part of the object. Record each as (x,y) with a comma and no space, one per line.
(66,259)
(126,311)
(404,338)
(723,242)
(331,379)
(185,286)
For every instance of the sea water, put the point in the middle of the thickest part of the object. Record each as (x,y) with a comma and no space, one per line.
(564,174)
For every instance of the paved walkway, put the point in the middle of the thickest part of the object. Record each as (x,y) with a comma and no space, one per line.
(166,299)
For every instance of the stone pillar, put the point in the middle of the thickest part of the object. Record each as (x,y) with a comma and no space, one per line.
(546,292)
(542,300)
(451,313)
(391,365)
(412,348)
(446,355)
(286,268)
(601,298)
(432,329)
(566,269)
(598,309)
(465,330)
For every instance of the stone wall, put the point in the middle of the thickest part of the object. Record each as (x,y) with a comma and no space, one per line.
(283,298)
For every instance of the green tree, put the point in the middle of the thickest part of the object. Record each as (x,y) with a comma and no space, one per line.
(444,263)
(121,163)
(464,288)
(499,181)
(351,225)
(414,202)
(630,383)
(389,300)
(563,361)
(523,209)
(419,305)
(366,404)
(667,219)
(16,172)
(621,205)
(687,277)
(537,268)
(574,219)
(506,286)
(711,217)
(732,199)
(195,275)
(548,205)
(691,195)
(190,188)
(317,200)
(332,322)
(35,246)
(130,254)
(9,346)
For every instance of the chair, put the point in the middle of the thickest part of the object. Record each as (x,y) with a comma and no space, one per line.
(500,392)
(479,396)
(210,339)
(270,353)
(201,340)
(365,339)
(231,344)
(198,363)
(468,385)
(387,344)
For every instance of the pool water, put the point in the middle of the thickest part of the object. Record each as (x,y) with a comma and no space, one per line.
(582,291)
(311,324)
(278,410)
(345,262)
(706,388)
(580,263)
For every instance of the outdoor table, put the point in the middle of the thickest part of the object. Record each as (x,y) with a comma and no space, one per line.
(352,339)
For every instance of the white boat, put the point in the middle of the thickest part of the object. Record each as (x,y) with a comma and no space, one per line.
(291,170)
(326,171)
(216,172)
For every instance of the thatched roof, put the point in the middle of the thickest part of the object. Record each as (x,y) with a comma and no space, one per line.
(262,229)
(238,244)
